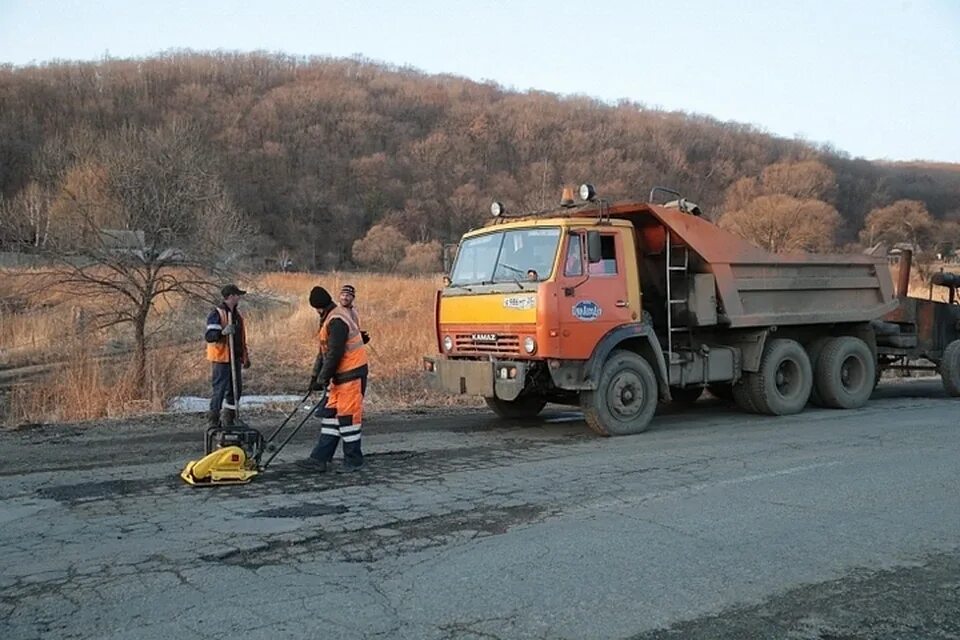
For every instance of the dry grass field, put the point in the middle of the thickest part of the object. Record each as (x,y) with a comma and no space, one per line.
(55,366)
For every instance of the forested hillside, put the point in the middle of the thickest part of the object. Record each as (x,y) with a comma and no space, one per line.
(315,152)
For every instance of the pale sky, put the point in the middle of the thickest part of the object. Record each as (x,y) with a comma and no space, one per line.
(877,79)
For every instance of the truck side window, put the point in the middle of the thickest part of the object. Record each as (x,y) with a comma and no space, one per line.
(608,253)
(608,257)
(573,262)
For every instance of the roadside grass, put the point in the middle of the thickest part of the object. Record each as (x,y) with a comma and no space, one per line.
(89,372)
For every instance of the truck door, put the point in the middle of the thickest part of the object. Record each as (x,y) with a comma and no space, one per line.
(593,298)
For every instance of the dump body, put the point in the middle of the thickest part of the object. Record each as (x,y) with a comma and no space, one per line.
(756,288)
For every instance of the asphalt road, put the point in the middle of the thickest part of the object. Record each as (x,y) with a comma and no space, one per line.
(714,524)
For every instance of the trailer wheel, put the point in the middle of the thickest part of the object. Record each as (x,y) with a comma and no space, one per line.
(950,369)
(814,349)
(846,372)
(522,408)
(686,395)
(782,384)
(721,391)
(625,398)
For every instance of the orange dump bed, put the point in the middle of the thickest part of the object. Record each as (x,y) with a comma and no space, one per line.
(758,288)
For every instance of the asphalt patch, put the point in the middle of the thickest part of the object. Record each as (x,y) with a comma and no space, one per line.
(106,489)
(390,539)
(921,601)
(306,510)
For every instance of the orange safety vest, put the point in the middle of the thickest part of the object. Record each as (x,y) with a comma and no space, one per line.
(354,355)
(219,351)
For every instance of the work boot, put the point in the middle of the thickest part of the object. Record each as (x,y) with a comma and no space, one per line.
(228,417)
(213,419)
(312,464)
(350,468)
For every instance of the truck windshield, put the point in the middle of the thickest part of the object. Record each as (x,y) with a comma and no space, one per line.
(522,255)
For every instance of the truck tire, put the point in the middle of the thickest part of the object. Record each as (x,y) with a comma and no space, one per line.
(950,369)
(814,349)
(522,408)
(625,398)
(845,373)
(782,384)
(742,395)
(686,395)
(721,391)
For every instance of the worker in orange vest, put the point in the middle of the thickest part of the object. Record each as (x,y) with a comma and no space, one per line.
(348,293)
(222,322)
(341,368)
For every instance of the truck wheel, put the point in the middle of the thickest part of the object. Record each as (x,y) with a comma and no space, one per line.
(686,395)
(721,391)
(814,349)
(519,409)
(846,372)
(742,395)
(782,384)
(625,398)
(950,369)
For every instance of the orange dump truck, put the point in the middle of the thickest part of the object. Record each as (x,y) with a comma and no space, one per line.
(618,306)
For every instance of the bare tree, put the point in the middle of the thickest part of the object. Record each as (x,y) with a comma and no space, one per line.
(382,248)
(422,257)
(27,217)
(150,219)
(782,223)
(902,221)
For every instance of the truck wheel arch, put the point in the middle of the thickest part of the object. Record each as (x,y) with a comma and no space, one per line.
(638,338)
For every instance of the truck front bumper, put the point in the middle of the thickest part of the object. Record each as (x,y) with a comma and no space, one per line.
(502,379)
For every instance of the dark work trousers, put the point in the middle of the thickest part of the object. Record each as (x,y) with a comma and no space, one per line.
(341,419)
(223,389)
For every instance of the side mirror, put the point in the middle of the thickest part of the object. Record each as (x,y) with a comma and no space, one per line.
(594,253)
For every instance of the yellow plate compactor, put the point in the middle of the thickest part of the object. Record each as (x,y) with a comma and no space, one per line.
(233,454)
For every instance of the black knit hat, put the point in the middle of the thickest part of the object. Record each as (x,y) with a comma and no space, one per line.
(320,298)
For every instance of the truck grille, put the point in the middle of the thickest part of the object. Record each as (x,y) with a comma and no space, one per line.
(487,343)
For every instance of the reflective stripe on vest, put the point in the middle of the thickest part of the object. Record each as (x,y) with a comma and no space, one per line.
(354,355)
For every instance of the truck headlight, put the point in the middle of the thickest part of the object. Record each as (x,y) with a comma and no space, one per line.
(447,344)
(530,344)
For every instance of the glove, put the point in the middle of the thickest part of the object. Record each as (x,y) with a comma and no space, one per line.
(246,364)
(228,330)
(316,385)
(365,336)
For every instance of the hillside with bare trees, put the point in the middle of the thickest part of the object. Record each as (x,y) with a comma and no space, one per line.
(353,163)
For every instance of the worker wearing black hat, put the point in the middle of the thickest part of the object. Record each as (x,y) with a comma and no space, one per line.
(224,321)
(341,368)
